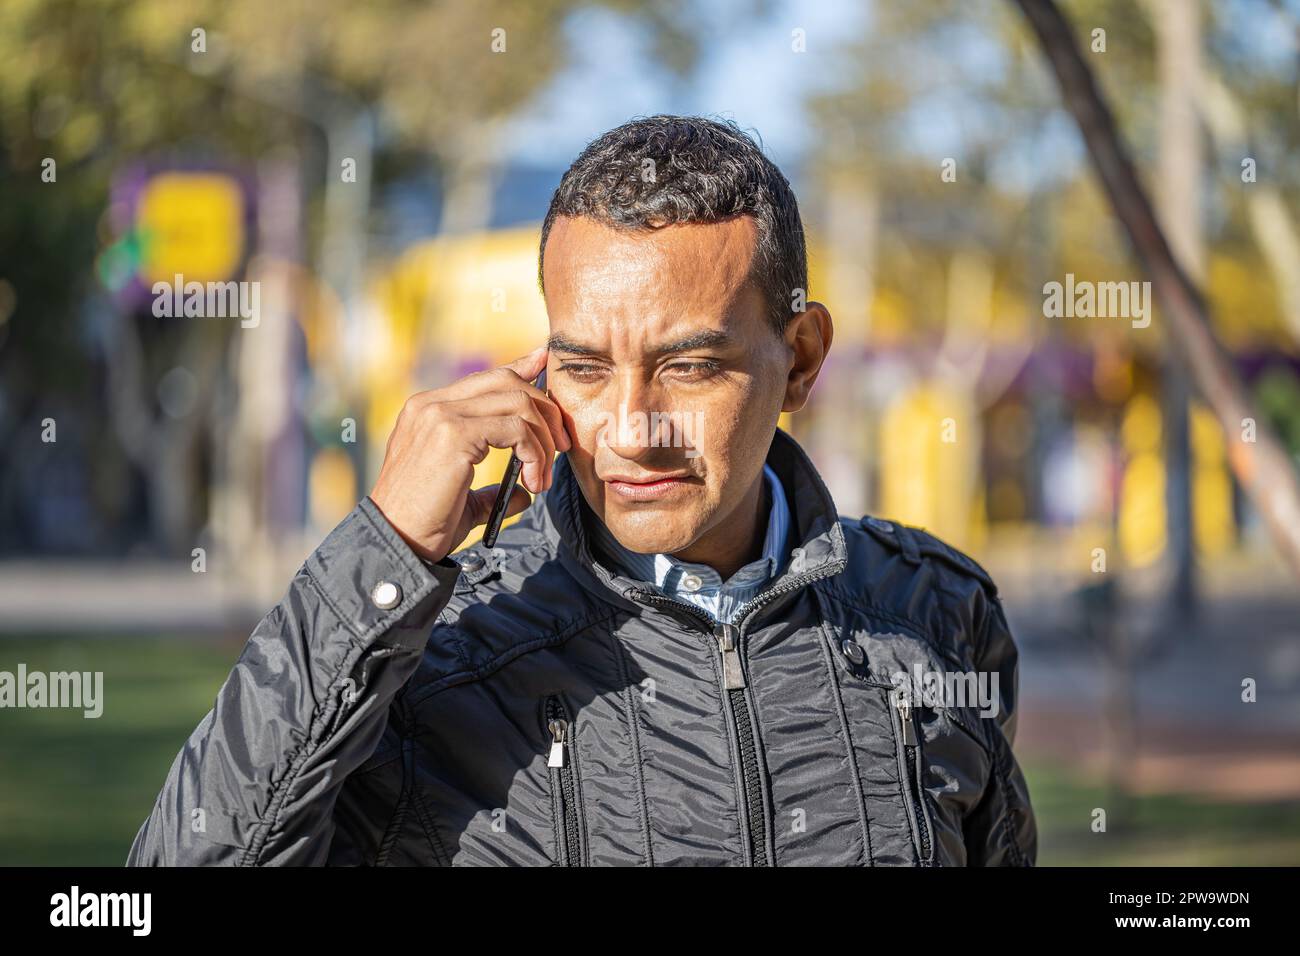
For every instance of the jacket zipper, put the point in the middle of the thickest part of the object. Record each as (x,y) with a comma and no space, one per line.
(729,637)
(733,682)
(911,744)
(563,784)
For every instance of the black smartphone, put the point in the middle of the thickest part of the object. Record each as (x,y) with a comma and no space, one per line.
(507,488)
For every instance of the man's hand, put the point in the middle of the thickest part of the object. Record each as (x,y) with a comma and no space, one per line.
(423,487)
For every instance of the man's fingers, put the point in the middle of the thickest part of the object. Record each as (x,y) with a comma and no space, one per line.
(550,420)
(479,503)
(525,369)
(514,376)
(517,432)
(423,486)
(504,405)
(554,419)
(550,412)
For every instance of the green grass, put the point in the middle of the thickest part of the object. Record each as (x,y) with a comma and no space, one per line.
(1156,830)
(74,791)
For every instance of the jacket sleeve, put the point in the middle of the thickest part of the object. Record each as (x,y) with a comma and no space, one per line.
(305,706)
(1001,830)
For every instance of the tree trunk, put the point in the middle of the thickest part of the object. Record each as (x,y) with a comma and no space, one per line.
(1263,466)
(1177,25)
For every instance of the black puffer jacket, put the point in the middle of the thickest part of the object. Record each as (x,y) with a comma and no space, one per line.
(523,706)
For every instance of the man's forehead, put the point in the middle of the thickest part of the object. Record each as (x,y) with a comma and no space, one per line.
(591,268)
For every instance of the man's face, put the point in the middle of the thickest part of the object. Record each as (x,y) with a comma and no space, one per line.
(669,372)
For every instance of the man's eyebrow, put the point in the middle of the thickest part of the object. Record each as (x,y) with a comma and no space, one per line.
(561,343)
(706,339)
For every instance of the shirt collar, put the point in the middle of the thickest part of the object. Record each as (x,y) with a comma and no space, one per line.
(664,570)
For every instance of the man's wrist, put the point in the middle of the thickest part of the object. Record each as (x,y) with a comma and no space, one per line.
(426,556)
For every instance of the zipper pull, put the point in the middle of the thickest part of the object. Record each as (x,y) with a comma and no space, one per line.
(559,728)
(905,713)
(733,676)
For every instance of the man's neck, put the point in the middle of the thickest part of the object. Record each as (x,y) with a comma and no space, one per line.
(738,538)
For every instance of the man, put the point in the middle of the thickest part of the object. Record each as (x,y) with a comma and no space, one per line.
(680,654)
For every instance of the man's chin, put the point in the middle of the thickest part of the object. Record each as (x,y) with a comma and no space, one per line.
(653,536)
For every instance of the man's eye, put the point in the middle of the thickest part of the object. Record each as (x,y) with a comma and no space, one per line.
(693,371)
(580,372)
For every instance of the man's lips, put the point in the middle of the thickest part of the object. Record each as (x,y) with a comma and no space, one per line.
(648,487)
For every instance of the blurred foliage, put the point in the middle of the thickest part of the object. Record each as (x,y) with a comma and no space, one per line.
(98,85)
(122,75)
(95,84)
(947,78)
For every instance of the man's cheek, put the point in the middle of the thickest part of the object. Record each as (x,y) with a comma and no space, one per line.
(592,430)
(717,432)
(695,438)
(580,418)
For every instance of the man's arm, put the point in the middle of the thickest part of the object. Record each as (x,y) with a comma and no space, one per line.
(307,702)
(1001,830)
(304,707)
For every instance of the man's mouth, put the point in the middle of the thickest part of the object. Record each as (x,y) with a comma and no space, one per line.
(649,487)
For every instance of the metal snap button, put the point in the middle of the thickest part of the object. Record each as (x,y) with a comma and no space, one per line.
(386,595)
(691,582)
(853,651)
(472,561)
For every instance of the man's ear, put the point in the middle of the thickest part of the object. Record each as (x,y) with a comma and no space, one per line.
(808,336)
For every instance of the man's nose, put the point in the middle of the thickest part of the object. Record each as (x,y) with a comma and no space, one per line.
(638,420)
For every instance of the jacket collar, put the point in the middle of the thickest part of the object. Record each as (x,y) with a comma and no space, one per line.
(816,538)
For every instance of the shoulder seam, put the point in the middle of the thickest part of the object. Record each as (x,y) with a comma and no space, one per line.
(916,544)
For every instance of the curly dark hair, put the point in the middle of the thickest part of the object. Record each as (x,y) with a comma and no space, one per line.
(702,171)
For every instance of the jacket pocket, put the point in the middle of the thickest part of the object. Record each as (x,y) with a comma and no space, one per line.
(562,767)
(911,772)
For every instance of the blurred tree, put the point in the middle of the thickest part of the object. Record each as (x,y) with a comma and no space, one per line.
(928,85)
(98,84)
(1262,466)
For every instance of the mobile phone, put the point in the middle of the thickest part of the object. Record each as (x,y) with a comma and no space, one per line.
(498,513)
